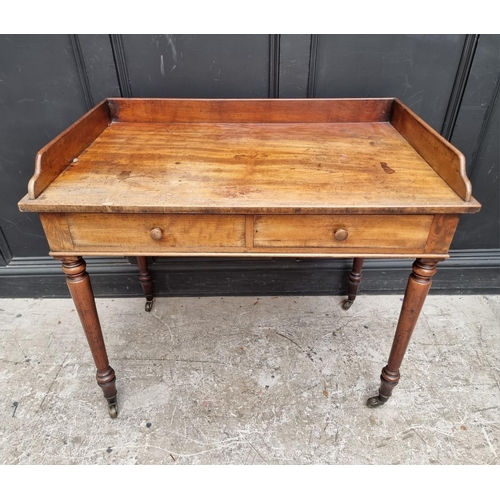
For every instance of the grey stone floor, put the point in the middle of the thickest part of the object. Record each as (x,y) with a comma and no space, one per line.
(242,380)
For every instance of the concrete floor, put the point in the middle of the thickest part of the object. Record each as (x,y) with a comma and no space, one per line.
(241,380)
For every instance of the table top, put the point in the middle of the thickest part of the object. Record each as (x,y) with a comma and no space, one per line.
(303,156)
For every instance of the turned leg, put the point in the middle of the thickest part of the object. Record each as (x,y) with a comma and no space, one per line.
(81,290)
(417,288)
(355,277)
(146,282)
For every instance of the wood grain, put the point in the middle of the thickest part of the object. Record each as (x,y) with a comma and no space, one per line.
(182,232)
(60,152)
(250,168)
(364,231)
(250,110)
(249,231)
(212,235)
(444,158)
(57,232)
(441,233)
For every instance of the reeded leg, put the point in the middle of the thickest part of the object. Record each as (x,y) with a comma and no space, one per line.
(355,277)
(146,282)
(418,286)
(81,290)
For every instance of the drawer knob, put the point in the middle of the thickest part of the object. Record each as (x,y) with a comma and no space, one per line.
(156,233)
(341,234)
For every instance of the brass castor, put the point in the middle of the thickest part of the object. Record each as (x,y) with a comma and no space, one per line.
(375,401)
(113,410)
(347,304)
(148,306)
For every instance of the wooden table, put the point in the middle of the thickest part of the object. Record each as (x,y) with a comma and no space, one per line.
(360,178)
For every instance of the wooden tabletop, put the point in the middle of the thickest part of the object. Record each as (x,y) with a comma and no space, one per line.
(316,168)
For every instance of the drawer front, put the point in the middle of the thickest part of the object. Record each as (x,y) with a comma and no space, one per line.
(408,232)
(125,234)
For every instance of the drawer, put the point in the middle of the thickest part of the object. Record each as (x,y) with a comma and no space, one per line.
(127,234)
(408,232)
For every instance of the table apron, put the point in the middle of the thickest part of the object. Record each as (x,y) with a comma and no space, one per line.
(261,235)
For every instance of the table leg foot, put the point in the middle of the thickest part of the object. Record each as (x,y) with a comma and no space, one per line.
(388,380)
(347,304)
(113,410)
(107,382)
(375,401)
(148,306)
(112,405)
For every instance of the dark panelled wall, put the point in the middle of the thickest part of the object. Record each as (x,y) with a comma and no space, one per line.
(48,81)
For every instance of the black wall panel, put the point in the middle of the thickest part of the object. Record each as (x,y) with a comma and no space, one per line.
(478,96)
(294,66)
(482,231)
(477,135)
(48,81)
(99,64)
(419,69)
(198,65)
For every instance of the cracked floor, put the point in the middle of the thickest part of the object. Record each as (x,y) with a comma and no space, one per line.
(242,380)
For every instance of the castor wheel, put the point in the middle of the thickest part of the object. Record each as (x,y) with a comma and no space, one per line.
(148,306)
(113,410)
(347,304)
(375,401)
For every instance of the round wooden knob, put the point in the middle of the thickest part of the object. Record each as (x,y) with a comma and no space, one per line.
(341,234)
(156,233)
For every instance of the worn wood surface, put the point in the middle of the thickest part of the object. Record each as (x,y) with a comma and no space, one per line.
(363,231)
(250,110)
(118,233)
(250,168)
(444,158)
(190,234)
(60,152)
(441,233)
